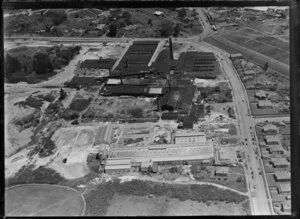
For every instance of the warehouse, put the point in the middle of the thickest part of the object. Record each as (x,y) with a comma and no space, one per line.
(189,137)
(122,165)
(167,152)
(198,65)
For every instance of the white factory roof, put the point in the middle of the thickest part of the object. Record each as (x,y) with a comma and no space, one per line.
(269,127)
(118,167)
(118,161)
(279,161)
(282,175)
(286,187)
(113,81)
(154,90)
(264,103)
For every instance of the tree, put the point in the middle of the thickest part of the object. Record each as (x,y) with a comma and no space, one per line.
(63,94)
(166,29)
(181,13)
(12,64)
(59,16)
(112,30)
(150,22)
(76,15)
(41,63)
(127,17)
(176,30)
(266,66)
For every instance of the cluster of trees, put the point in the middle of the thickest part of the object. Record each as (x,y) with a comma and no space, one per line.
(116,20)
(231,113)
(98,200)
(42,62)
(168,29)
(27,175)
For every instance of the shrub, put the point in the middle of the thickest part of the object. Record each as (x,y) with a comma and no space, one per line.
(41,63)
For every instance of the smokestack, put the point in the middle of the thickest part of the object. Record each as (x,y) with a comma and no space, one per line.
(171,48)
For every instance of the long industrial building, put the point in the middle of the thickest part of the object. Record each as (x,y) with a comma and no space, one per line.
(167,152)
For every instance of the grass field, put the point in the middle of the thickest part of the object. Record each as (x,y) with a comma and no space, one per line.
(99,199)
(43,200)
(127,205)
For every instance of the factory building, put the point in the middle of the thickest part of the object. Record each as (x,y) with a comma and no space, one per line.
(197,65)
(167,152)
(189,137)
(118,165)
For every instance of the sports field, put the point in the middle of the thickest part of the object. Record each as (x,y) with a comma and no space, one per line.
(43,200)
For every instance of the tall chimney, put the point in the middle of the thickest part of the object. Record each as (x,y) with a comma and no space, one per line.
(171,48)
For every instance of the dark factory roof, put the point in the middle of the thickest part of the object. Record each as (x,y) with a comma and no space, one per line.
(180,99)
(198,64)
(98,63)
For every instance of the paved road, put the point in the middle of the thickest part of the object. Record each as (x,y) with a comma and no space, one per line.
(258,197)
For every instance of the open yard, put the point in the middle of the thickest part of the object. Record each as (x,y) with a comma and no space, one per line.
(43,200)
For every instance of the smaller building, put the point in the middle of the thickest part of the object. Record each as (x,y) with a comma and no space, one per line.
(276,149)
(221,171)
(264,104)
(270,128)
(272,139)
(248,72)
(282,176)
(235,56)
(279,162)
(286,206)
(284,188)
(260,95)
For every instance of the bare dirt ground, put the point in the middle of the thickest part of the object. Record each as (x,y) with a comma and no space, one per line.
(125,205)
